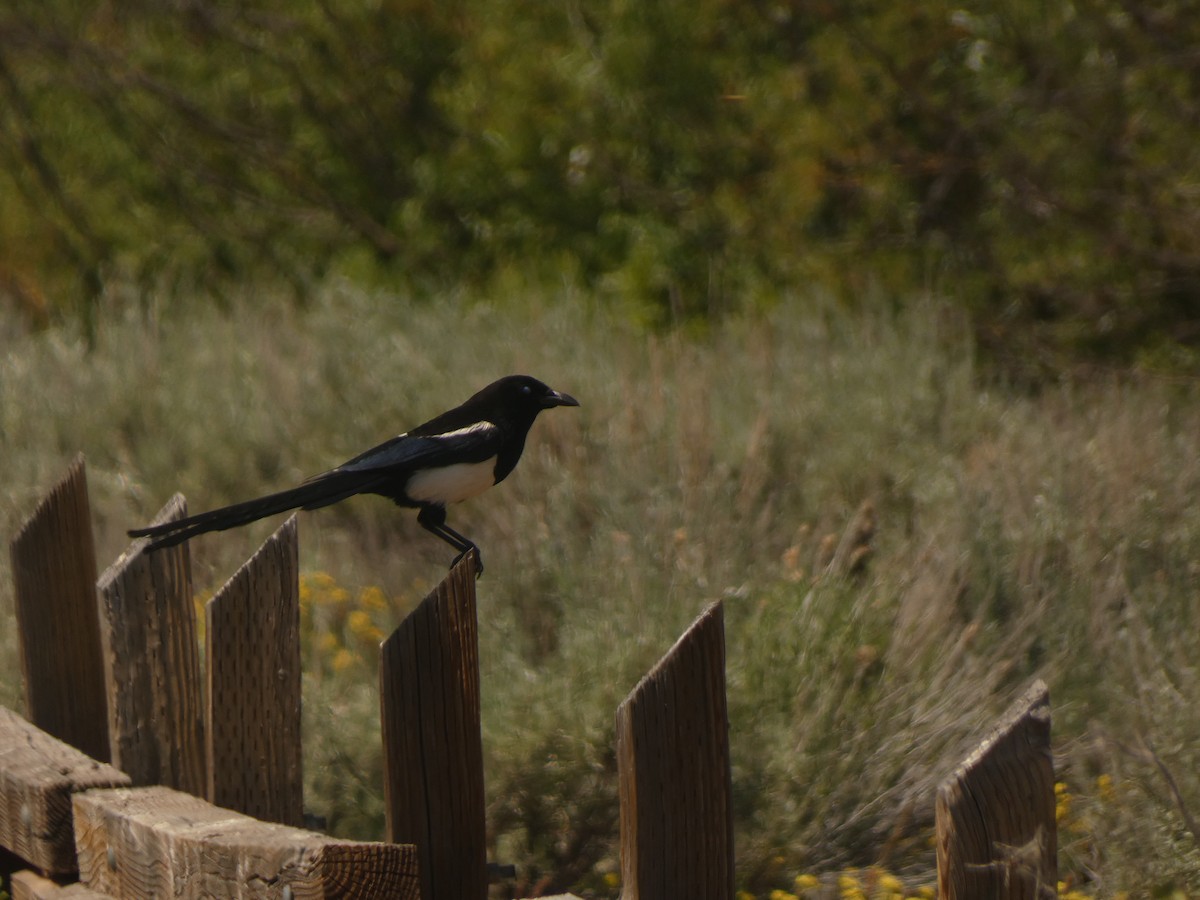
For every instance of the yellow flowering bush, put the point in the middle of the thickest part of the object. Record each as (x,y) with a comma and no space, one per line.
(341,630)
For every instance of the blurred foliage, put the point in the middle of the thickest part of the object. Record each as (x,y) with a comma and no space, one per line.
(1035,159)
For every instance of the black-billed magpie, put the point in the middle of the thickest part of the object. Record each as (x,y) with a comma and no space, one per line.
(450,458)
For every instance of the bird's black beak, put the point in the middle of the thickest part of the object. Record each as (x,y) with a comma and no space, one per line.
(557,398)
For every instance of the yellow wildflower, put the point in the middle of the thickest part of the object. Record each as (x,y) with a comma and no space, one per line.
(327,642)
(372,598)
(321,581)
(361,626)
(343,660)
(807,882)
(849,887)
(889,887)
(1062,802)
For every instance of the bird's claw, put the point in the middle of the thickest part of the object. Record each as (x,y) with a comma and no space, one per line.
(478,560)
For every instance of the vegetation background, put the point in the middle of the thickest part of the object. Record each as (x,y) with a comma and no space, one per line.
(885,321)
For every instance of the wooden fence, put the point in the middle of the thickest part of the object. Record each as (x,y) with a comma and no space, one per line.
(130,778)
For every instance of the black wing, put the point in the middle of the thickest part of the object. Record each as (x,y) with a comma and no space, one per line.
(410,452)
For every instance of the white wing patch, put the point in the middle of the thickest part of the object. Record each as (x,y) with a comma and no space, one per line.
(470,429)
(452,484)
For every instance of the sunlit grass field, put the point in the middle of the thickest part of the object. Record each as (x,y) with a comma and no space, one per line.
(903,543)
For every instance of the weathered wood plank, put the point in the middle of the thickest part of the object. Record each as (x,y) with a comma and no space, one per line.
(28,885)
(145,843)
(253,665)
(996,834)
(152,663)
(673,773)
(54,575)
(433,749)
(38,775)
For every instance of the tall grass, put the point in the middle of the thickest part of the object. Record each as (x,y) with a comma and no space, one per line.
(902,545)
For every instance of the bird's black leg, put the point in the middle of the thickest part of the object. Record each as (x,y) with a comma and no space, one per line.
(433,519)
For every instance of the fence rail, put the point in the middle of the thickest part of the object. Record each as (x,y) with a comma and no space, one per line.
(201,798)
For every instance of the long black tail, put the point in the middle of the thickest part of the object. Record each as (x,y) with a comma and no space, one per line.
(320,491)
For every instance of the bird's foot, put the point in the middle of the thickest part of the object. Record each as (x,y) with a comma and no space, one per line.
(478,560)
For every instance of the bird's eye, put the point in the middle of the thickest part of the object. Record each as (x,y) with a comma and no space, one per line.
(526,389)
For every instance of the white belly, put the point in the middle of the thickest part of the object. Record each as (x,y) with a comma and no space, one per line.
(452,484)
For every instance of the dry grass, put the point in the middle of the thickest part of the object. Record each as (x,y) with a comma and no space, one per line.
(902,546)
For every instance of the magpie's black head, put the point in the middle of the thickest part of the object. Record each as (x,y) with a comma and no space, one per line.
(524,394)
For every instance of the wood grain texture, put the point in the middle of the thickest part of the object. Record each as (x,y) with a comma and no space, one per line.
(996,835)
(54,575)
(673,773)
(433,750)
(145,843)
(28,885)
(38,775)
(152,664)
(252,723)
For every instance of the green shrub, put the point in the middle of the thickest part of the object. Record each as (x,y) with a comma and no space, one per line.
(1033,160)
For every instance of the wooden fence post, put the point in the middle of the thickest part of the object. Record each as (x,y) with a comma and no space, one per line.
(996,834)
(152,664)
(673,772)
(252,722)
(432,746)
(54,574)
